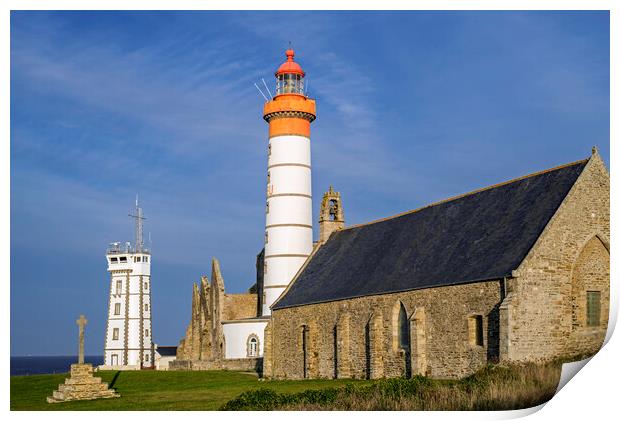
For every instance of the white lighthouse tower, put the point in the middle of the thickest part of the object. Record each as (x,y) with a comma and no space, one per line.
(288,230)
(128,338)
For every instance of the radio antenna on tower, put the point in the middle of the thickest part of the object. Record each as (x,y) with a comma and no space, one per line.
(139,246)
(261,92)
(266,87)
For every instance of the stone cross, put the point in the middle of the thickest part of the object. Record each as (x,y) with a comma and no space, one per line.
(81,322)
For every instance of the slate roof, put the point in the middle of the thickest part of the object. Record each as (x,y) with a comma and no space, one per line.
(166,351)
(478,236)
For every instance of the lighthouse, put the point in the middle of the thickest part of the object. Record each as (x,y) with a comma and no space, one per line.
(128,338)
(288,228)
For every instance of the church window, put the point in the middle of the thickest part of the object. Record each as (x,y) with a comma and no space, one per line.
(117,309)
(304,346)
(335,336)
(252,346)
(593,308)
(403,329)
(475,328)
(367,350)
(115,334)
(119,286)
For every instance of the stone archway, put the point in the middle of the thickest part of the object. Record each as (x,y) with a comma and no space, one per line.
(589,298)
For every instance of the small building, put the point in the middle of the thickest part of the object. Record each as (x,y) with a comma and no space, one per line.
(518,271)
(163,356)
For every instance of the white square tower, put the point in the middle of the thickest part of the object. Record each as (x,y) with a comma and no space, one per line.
(128,337)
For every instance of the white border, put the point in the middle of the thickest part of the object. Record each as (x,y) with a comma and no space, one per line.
(592,395)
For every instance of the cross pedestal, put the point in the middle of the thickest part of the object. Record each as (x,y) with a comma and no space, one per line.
(82,385)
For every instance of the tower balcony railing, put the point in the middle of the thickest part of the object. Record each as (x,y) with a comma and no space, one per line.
(124,248)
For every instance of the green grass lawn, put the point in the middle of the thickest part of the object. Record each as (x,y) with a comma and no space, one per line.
(157,390)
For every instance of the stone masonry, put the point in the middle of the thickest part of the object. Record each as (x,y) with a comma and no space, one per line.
(543,315)
(202,348)
(365,328)
(537,314)
(82,385)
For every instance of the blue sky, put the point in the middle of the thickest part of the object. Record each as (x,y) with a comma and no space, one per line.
(413,107)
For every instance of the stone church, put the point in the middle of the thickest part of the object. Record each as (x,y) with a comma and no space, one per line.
(518,271)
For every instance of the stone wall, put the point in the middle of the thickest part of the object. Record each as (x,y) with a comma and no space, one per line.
(239,306)
(356,337)
(543,316)
(240,364)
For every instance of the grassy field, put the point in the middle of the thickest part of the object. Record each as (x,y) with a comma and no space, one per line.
(157,390)
(492,388)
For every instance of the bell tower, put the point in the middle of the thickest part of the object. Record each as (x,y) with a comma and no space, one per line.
(332,214)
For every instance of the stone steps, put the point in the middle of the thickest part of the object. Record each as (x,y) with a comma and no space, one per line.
(83,380)
(82,385)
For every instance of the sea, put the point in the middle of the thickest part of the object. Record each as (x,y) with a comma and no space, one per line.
(24,366)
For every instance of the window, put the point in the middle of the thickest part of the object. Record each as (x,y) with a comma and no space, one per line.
(146,285)
(146,332)
(115,334)
(117,309)
(593,308)
(114,260)
(146,358)
(304,347)
(146,259)
(267,207)
(137,258)
(123,259)
(252,346)
(403,329)
(114,359)
(146,307)
(119,286)
(475,330)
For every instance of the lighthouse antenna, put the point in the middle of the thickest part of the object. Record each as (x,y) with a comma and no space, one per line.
(138,218)
(266,87)
(261,92)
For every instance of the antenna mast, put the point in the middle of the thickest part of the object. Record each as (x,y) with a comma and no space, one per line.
(139,245)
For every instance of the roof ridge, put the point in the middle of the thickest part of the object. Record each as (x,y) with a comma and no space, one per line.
(503,183)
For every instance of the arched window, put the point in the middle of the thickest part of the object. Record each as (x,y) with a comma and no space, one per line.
(403,329)
(304,347)
(252,346)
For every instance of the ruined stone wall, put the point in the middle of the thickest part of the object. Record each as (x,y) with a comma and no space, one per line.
(237,364)
(355,337)
(543,316)
(239,306)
